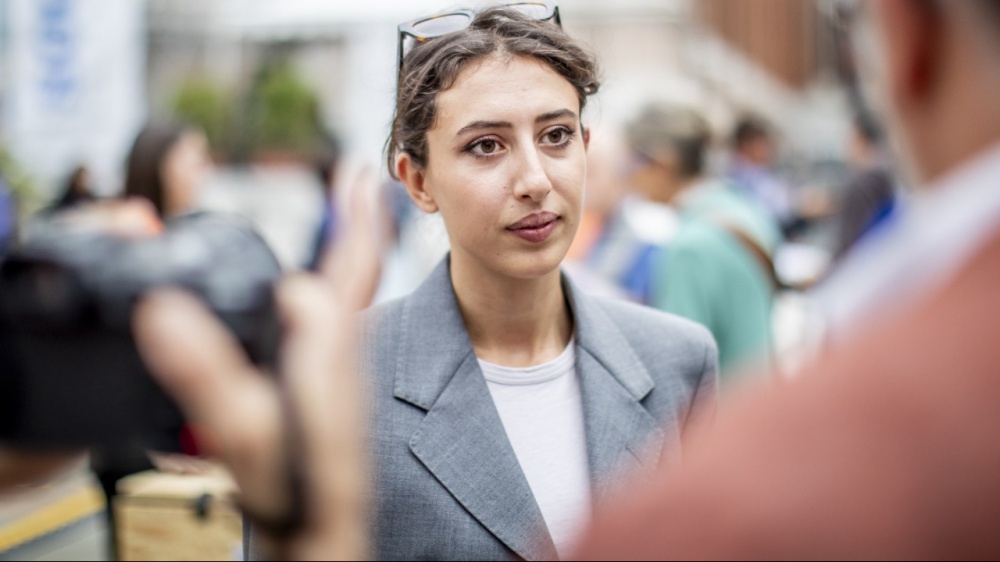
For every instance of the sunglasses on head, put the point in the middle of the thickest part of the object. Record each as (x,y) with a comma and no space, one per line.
(419,30)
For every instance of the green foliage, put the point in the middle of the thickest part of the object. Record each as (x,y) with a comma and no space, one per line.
(207,106)
(280,112)
(22,186)
(283,112)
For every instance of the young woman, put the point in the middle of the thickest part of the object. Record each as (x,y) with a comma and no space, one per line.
(504,402)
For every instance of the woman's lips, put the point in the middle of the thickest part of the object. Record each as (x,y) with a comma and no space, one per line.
(535,228)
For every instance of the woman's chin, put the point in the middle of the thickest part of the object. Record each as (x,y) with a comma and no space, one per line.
(535,263)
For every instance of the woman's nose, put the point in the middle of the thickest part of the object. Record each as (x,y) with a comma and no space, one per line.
(532,183)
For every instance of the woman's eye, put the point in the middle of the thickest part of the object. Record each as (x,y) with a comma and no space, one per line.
(558,137)
(485,147)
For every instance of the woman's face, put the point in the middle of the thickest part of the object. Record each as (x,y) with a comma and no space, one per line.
(506,167)
(184,169)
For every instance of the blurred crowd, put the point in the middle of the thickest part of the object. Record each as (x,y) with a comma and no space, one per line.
(678,216)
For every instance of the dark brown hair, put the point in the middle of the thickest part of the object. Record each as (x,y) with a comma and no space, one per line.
(748,129)
(433,66)
(144,176)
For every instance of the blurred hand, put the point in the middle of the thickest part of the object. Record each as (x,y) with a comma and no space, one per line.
(313,409)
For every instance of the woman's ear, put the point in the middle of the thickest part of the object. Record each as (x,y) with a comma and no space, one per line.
(412,177)
(586,138)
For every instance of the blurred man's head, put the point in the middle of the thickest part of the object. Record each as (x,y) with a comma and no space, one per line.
(669,145)
(753,141)
(935,64)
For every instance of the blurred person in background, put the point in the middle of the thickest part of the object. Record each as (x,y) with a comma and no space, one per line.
(78,191)
(751,168)
(594,259)
(8,216)
(605,190)
(869,198)
(718,268)
(327,165)
(166,166)
(622,231)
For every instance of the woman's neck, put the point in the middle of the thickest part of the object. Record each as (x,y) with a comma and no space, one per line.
(511,322)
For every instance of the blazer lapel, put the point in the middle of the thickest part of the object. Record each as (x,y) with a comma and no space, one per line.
(461,440)
(622,436)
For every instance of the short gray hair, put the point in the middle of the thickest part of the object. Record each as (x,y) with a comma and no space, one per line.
(680,129)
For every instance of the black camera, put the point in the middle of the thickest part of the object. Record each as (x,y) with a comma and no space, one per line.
(70,374)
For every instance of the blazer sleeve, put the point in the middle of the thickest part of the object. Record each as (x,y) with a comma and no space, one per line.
(705,398)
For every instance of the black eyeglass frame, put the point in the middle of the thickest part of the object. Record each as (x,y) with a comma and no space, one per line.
(409,29)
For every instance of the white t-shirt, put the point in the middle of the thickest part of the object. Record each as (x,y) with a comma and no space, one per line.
(542,413)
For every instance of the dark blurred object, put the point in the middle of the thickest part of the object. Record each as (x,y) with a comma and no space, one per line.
(327,166)
(77,191)
(71,374)
(751,170)
(869,198)
(8,216)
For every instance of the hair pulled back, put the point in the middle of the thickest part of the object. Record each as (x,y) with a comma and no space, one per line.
(433,66)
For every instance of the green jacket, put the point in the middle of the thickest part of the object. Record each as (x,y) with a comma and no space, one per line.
(707,275)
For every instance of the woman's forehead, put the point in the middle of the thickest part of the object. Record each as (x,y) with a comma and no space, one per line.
(512,89)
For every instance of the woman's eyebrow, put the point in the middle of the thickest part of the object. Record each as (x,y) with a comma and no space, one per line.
(479,125)
(553,115)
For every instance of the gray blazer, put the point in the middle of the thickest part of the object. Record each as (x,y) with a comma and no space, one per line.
(446,481)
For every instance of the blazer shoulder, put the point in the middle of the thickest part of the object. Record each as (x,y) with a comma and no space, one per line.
(643,322)
(376,316)
(660,338)
(380,336)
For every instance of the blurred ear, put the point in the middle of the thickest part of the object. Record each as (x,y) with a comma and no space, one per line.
(586,138)
(911,31)
(412,176)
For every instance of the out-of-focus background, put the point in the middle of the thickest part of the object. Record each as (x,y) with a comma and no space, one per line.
(282,89)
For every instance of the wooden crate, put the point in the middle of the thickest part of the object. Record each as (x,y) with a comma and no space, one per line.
(177,517)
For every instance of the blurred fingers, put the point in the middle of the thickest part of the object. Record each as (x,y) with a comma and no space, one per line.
(353,264)
(318,361)
(202,366)
(189,353)
(325,388)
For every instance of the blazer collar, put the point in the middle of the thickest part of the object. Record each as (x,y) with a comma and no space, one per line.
(598,334)
(462,442)
(433,329)
(623,438)
(433,337)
